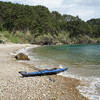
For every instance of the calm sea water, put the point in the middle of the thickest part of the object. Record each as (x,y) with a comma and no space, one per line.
(82,61)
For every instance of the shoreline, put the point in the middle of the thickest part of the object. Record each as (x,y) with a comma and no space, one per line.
(16,87)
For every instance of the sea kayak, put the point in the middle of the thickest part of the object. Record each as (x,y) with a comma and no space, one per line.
(43,72)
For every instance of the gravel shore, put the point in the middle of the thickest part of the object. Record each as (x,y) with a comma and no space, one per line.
(15,87)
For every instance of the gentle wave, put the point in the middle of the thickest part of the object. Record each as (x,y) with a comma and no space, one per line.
(90,85)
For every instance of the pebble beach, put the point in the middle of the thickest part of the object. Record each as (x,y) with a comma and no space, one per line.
(14,87)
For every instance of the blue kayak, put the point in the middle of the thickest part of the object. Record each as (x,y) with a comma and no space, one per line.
(43,72)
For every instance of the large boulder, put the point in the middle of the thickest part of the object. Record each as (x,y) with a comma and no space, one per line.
(2,40)
(85,39)
(22,56)
(98,41)
(92,41)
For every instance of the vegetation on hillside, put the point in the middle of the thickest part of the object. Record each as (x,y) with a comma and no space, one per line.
(36,24)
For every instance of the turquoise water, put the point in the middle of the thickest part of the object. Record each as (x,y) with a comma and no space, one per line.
(82,61)
(74,56)
(84,54)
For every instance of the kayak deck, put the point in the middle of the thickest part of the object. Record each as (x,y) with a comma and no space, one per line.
(43,72)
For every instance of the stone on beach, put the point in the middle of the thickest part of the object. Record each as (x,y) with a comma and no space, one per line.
(22,56)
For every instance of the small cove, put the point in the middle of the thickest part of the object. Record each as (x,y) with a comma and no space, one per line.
(82,61)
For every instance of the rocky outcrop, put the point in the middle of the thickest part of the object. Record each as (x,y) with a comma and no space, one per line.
(47,41)
(2,40)
(22,56)
(98,41)
(58,40)
(85,39)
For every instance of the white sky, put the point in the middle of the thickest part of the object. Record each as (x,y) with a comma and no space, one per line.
(85,9)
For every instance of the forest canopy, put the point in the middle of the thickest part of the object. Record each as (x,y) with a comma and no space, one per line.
(38,21)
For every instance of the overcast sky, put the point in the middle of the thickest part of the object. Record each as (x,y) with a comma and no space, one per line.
(85,9)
